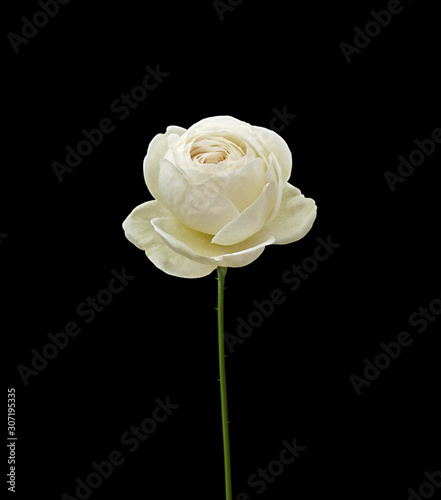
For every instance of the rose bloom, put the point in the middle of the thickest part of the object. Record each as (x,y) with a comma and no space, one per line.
(221,196)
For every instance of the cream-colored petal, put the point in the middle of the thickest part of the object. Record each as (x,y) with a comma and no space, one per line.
(274,175)
(219,122)
(273,143)
(295,217)
(255,216)
(242,186)
(156,151)
(197,246)
(140,232)
(196,205)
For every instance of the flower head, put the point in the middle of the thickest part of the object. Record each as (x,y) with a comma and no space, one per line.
(221,196)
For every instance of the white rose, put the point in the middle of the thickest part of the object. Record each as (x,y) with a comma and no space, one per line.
(221,196)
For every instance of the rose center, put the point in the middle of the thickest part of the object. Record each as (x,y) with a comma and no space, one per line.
(213,153)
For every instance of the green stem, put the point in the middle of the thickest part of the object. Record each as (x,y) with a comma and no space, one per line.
(221,271)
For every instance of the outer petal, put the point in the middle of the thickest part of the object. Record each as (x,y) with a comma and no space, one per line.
(155,152)
(274,175)
(196,205)
(198,246)
(295,217)
(220,122)
(254,217)
(275,144)
(140,232)
(241,186)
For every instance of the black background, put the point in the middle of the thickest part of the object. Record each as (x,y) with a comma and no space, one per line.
(158,337)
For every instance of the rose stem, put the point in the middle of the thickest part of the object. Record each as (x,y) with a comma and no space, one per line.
(221,271)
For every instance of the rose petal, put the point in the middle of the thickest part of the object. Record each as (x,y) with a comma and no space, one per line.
(295,217)
(230,142)
(254,217)
(220,122)
(155,152)
(275,144)
(242,186)
(197,246)
(196,205)
(140,232)
(274,175)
